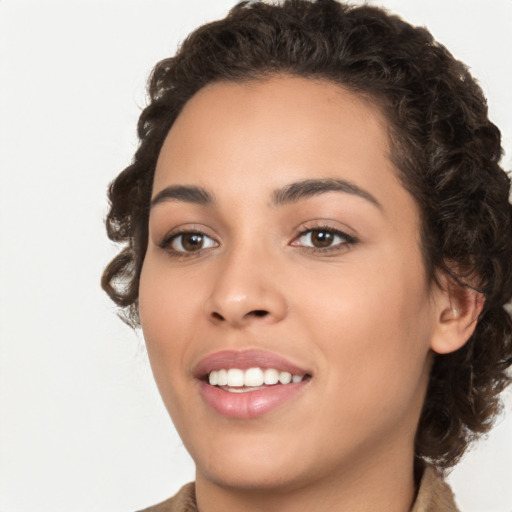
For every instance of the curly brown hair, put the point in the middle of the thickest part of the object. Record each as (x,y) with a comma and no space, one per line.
(444,147)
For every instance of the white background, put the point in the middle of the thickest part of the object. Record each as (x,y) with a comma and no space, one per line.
(82,427)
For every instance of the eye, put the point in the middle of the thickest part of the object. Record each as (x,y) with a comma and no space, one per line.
(323,239)
(188,242)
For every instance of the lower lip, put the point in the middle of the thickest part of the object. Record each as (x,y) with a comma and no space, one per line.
(249,404)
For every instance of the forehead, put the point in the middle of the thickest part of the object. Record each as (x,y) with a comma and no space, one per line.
(275,131)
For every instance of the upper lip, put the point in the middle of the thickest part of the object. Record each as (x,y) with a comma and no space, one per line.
(243,360)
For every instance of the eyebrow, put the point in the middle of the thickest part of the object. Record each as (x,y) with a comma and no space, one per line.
(289,194)
(185,193)
(308,188)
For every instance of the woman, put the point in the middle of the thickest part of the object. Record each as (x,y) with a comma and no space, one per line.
(318,250)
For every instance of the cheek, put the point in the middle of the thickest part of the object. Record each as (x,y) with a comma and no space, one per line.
(372,331)
(168,310)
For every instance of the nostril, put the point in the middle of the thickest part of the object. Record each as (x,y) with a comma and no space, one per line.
(259,312)
(255,313)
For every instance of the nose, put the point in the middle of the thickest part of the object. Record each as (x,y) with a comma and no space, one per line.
(245,291)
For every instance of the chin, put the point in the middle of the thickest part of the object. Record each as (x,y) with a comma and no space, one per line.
(262,475)
(251,465)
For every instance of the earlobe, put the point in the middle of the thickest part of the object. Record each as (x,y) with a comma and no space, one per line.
(458,310)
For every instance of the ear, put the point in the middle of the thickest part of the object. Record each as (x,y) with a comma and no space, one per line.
(458,308)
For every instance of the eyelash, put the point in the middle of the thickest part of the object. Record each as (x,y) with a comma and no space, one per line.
(346,241)
(168,240)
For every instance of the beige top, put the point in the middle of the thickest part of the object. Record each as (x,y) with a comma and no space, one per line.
(434,495)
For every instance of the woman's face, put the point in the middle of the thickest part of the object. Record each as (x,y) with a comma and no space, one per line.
(281,241)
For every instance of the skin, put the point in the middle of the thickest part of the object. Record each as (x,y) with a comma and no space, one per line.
(361,316)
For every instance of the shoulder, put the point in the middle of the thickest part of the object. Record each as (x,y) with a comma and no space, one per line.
(183,501)
(434,493)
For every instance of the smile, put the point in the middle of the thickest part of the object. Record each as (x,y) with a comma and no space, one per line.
(236,380)
(249,384)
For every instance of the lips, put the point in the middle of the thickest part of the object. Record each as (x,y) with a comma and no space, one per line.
(250,383)
(244,360)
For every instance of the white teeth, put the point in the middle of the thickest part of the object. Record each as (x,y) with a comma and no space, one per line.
(235,378)
(251,378)
(271,376)
(222,378)
(285,377)
(213,378)
(243,389)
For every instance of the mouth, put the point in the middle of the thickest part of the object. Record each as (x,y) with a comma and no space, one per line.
(237,380)
(249,383)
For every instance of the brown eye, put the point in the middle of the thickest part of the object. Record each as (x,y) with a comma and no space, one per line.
(321,238)
(191,242)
